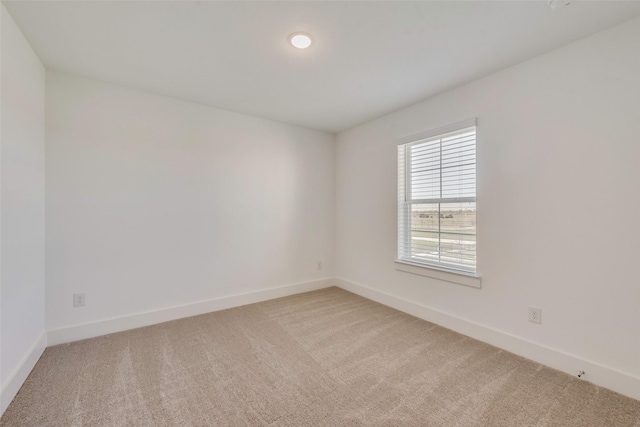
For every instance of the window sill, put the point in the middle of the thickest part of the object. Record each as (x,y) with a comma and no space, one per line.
(460,278)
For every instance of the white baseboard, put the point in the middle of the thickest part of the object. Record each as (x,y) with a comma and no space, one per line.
(604,376)
(109,326)
(11,387)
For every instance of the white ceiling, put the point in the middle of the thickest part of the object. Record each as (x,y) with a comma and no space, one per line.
(369,58)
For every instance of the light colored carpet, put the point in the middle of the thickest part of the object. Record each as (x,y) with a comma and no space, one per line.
(324,358)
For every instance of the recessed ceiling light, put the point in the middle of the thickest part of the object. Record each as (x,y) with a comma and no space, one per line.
(300,40)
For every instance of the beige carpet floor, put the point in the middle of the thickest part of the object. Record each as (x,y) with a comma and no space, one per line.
(324,358)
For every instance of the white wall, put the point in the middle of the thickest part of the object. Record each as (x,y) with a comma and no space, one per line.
(22,338)
(558,205)
(153,202)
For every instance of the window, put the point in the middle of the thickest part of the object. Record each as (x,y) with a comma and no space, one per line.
(437,198)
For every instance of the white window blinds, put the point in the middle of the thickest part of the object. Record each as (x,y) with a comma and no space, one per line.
(437,200)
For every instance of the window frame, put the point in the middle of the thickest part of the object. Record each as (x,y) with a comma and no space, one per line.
(411,265)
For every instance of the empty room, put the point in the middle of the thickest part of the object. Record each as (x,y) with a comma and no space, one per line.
(320,213)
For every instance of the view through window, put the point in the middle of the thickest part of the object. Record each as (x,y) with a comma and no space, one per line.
(437,200)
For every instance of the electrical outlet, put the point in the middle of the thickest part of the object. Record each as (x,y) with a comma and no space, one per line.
(319,265)
(535,314)
(78,300)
